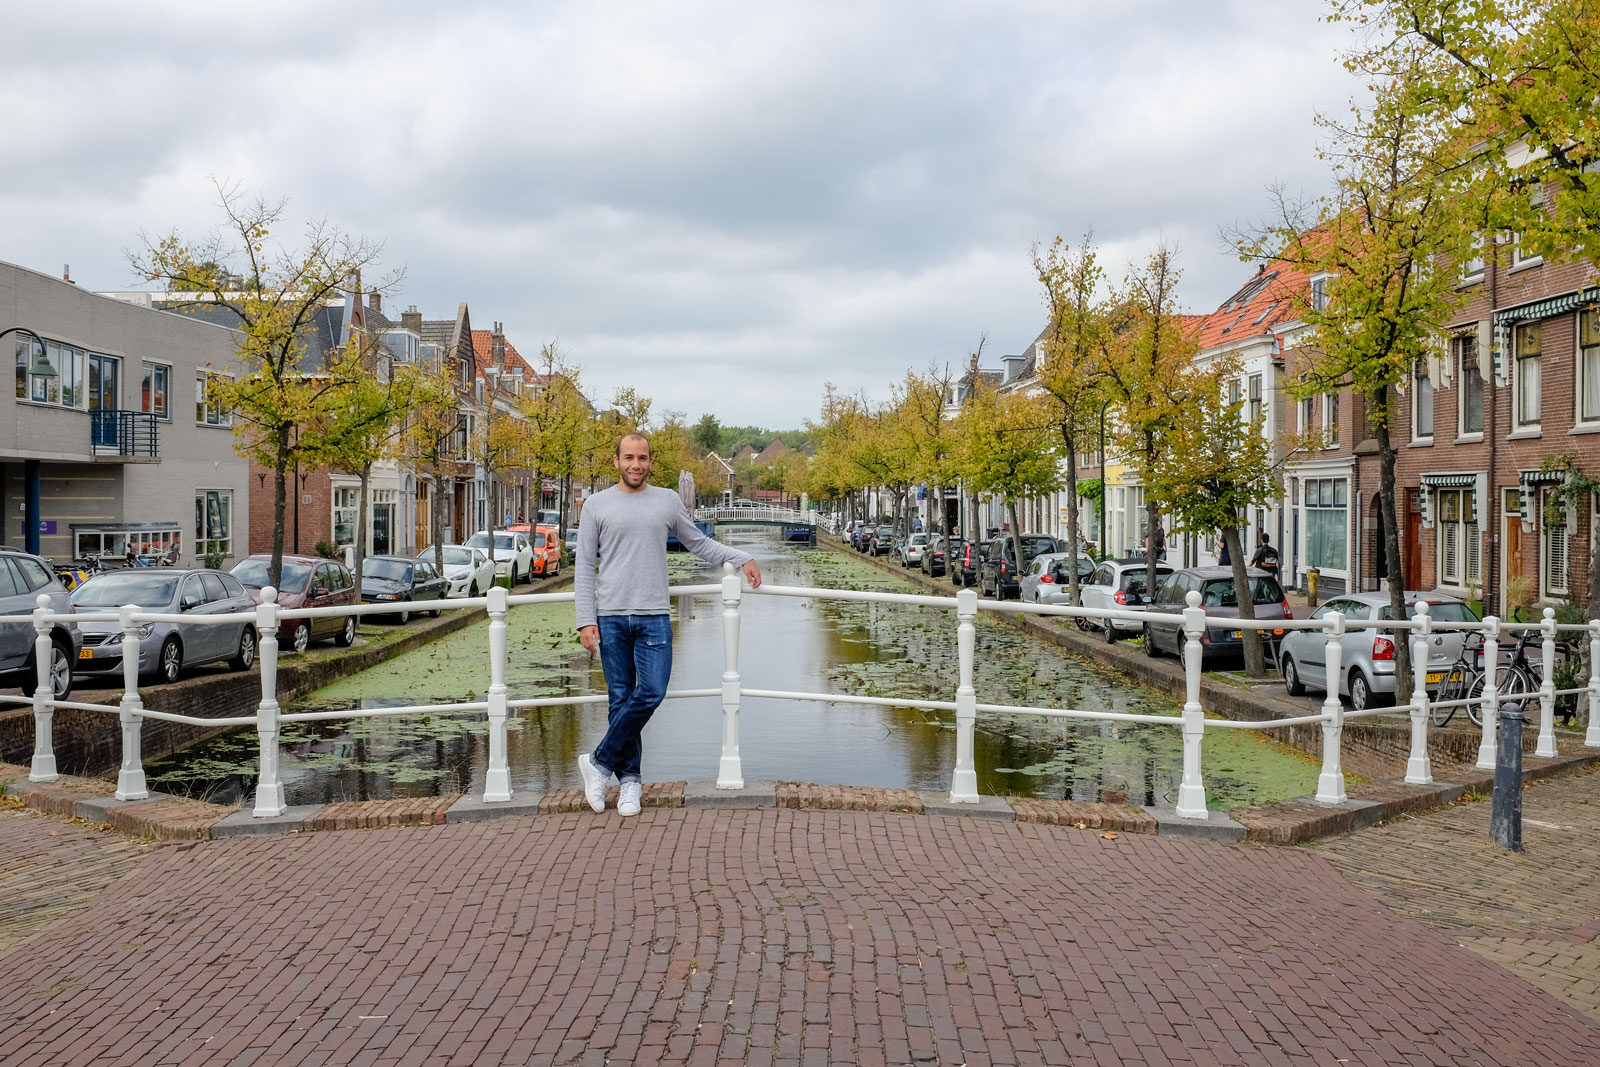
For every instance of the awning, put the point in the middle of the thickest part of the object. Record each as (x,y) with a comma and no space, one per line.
(1543,309)
(1449,481)
(1542,477)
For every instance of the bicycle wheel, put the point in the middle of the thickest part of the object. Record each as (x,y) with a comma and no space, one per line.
(1514,686)
(1448,691)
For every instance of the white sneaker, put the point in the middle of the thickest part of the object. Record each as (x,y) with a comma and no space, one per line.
(594,782)
(628,801)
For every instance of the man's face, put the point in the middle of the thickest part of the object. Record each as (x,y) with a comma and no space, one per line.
(633,462)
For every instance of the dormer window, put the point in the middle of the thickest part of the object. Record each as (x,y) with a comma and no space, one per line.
(1319,292)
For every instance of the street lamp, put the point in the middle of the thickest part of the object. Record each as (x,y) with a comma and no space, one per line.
(1103,497)
(32,482)
(41,367)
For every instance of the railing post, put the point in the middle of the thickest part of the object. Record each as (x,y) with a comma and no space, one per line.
(497,780)
(730,770)
(1419,768)
(1192,792)
(1547,687)
(1591,739)
(130,777)
(44,753)
(269,787)
(1491,691)
(1330,783)
(964,782)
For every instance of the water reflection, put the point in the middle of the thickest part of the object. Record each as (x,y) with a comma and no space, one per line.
(788,644)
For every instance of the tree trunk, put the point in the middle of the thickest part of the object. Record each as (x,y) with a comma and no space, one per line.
(1254,662)
(1072,520)
(1395,562)
(280,471)
(489,528)
(436,517)
(1150,546)
(1016,547)
(363,516)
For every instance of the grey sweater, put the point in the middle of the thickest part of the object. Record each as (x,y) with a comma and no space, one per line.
(628,532)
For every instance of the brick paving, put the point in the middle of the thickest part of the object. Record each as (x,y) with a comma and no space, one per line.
(51,867)
(771,936)
(1536,913)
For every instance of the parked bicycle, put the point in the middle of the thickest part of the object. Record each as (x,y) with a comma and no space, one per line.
(78,572)
(1515,683)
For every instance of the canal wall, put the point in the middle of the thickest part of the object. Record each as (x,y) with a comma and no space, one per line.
(89,743)
(1371,749)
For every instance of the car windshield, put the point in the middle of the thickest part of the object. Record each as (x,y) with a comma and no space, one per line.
(455,556)
(502,541)
(1133,581)
(253,572)
(391,569)
(885,531)
(1438,610)
(1219,592)
(114,590)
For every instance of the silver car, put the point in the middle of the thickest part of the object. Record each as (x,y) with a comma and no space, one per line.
(1366,673)
(165,648)
(1118,584)
(23,578)
(1047,577)
(912,548)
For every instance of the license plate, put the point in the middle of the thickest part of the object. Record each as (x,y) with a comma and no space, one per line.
(86,653)
(1238,635)
(1435,677)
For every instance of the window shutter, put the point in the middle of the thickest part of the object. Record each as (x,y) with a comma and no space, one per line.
(1425,505)
(1487,357)
(1441,359)
(1502,341)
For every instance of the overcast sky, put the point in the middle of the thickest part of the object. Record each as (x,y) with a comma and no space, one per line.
(722,204)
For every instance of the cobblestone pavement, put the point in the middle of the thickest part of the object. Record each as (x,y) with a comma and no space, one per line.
(50,867)
(1536,913)
(767,936)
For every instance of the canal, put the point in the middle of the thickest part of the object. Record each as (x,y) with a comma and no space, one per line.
(787,644)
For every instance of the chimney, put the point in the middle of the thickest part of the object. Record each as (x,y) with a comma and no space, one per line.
(411,319)
(497,346)
(66,274)
(375,302)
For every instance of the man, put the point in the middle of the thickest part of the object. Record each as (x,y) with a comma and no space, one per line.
(1266,556)
(624,611)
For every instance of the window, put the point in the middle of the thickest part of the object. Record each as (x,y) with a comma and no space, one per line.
(154,390)
(1472,269)
(213,522)
(70,362)
(51,376)
(1256,401)
(1469,396)
(1589,365)
(206,409)
(1527,384)
(1330,418)
(1518,257)
(345,501)
(1552,544)
(1308,413)
(1319,293)
(1327,522)
(1421,401)
(1459,544)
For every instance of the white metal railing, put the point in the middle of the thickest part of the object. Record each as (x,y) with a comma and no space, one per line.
(761,513)
(268,616)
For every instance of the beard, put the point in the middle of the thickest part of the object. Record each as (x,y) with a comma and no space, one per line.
(634,482)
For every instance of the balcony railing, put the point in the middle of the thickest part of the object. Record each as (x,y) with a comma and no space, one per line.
(124,433)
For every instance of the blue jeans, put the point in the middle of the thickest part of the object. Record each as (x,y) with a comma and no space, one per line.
(636,655)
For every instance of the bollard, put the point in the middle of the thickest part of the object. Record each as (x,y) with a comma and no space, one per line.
(730,771)
(1419,768)
(1491,692)
(43,768)
(964,782)
(269,787)
(497,779)
(1591,738)
(1505,822)
(1192,792)
(130,777)
(1547,686)
(1312,576)
(1330,783)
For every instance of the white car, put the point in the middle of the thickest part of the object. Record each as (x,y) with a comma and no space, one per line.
(468,570)
(912,548)
(1119,584)
(513,553)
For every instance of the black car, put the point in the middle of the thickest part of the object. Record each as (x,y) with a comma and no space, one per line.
(933,557)
(400,580)
(1219,600)
(1000,576)
(882,541)
(964,559)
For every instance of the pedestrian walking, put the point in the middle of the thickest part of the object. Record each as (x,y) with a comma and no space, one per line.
(1223,559)
(1266,557)
(1160,538)
(624,611)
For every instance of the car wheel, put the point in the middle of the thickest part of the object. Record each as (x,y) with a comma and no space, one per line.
(1150,648)
(302,636)
(347,636)
(170,663)
(1360,691)
(403,617)
(60,673)
(1291,677)
(247,651)
(1108,631)
(435,613)
(474,590)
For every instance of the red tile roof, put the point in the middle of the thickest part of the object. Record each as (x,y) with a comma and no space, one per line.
(1266,300)
(483,356)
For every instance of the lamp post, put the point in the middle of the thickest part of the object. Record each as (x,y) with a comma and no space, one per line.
(1103,497)
(41,368)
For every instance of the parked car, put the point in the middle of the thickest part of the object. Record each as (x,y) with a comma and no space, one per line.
(307,582)
(882,541)
(1047,574)
(571,541)
(965,561)
(467,571)
(512,553)
(1119,583)
(1366,671)
(548,517)
(933,557)
(22,578)
(546,541)
(912,548)
(402,581)
(1217,598)
(1000,577)
(165,648)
